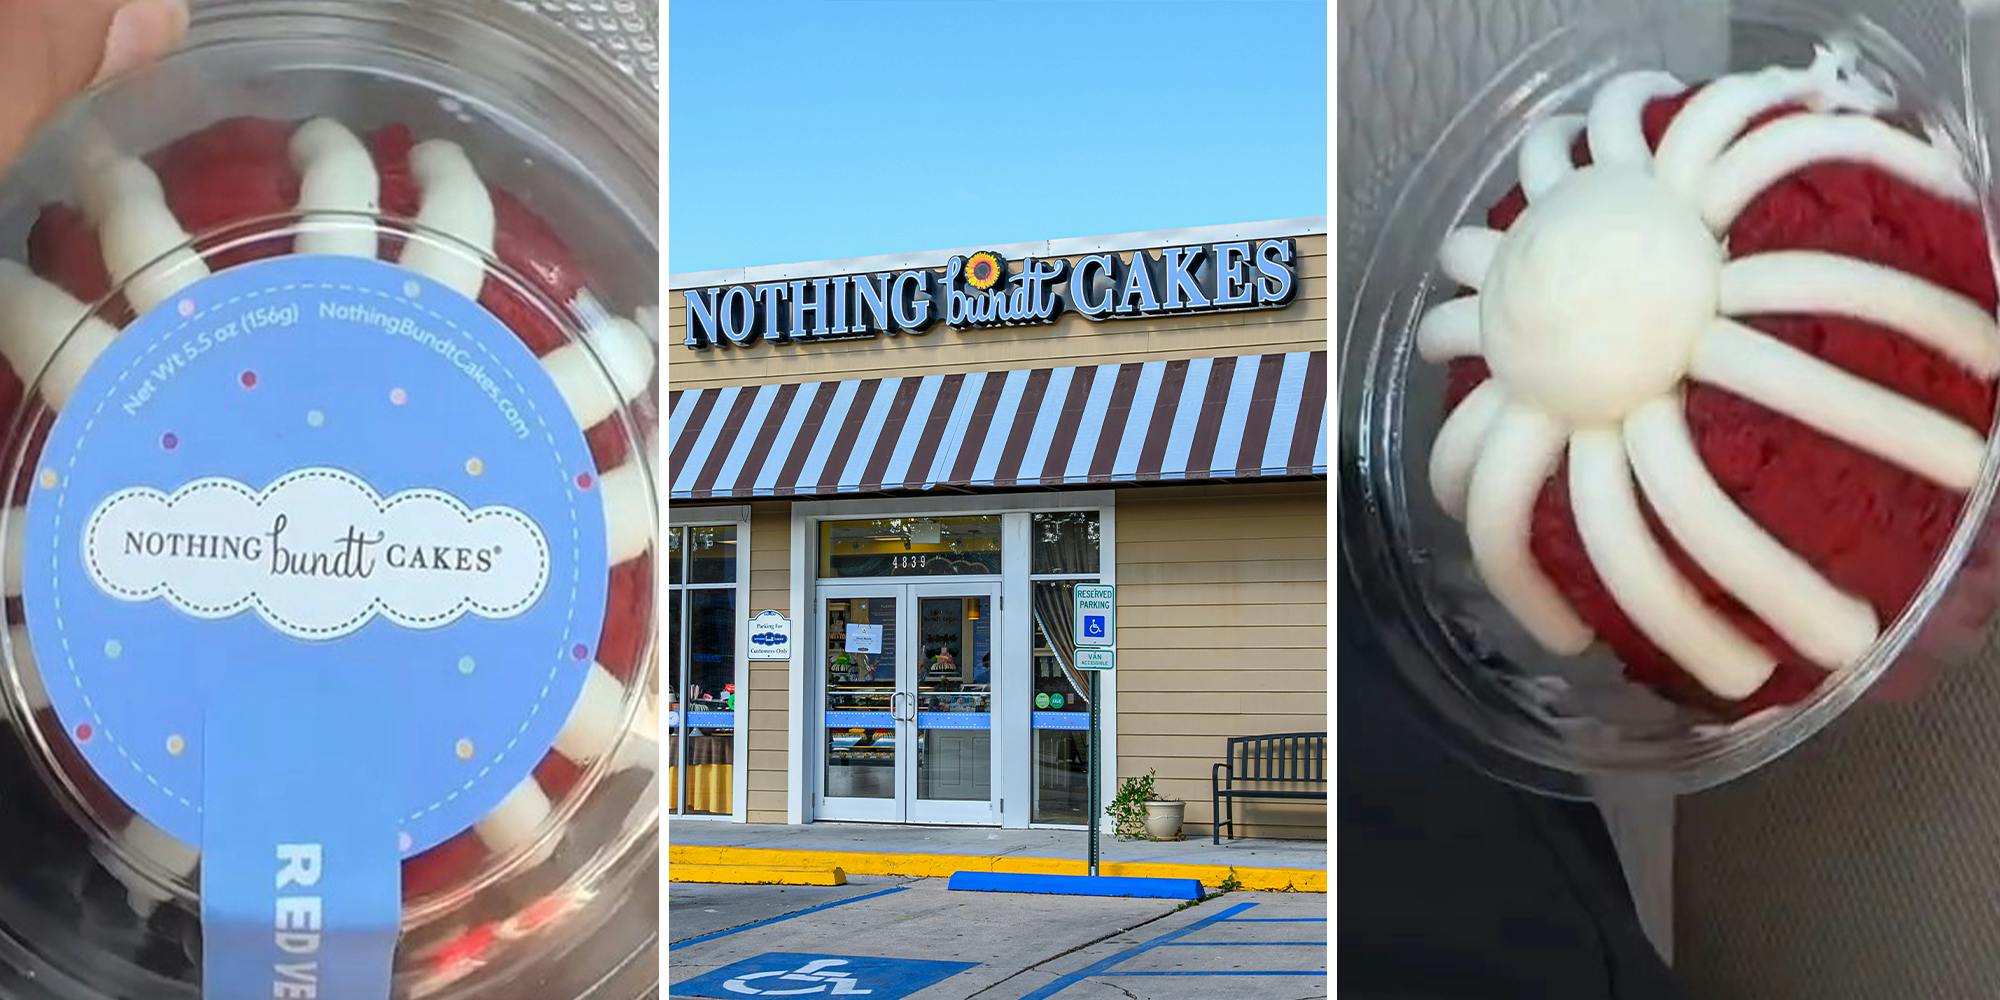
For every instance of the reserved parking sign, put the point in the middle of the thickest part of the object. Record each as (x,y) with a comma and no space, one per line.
(1096,615)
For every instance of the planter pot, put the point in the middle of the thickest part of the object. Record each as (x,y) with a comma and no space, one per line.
(1163,820)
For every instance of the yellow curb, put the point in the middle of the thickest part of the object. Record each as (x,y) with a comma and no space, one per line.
(942,865)
(746,873)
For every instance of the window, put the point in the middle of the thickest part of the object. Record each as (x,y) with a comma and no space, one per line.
(1066,543)
(1066,551)
(910,546)
(703,707)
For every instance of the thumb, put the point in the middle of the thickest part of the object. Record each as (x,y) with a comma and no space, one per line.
(50,50)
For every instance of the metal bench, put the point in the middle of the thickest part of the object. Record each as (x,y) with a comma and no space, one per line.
(1282,766)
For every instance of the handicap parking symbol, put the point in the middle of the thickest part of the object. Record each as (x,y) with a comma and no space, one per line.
(1093,626)
(793,974)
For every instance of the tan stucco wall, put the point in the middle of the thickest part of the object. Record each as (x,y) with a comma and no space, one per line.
(1222,629)
(769,711)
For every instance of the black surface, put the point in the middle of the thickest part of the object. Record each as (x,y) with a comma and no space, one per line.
(1455,885)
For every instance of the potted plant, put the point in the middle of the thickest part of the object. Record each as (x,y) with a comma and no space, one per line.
(1139,811)
(1163,817)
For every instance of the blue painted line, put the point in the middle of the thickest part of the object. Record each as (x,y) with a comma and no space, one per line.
(1277,920)
(788,916)
(1098,968)
(1244,944)
(1077,885)
(1231,972)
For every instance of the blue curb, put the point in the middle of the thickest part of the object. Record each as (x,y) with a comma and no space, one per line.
(1077,885)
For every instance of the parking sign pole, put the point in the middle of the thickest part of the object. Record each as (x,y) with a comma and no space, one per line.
(1095,607)
(1096,791)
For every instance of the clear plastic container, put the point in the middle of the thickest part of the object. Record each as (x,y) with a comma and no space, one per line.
(1552,723)
(566,144)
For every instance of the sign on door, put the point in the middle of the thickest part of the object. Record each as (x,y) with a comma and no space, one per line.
(864,639)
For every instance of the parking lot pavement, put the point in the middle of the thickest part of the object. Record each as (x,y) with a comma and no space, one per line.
(701,910)
(1243,944)
(889,938)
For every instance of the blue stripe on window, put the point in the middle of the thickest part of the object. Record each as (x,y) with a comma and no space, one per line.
(860,720)
(954,720)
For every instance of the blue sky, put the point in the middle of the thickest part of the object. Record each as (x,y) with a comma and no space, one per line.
(812,129)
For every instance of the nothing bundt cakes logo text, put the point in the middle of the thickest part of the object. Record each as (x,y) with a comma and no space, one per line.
(318,553)
(981,291)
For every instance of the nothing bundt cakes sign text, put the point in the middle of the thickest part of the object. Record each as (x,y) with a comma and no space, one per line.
(981,290)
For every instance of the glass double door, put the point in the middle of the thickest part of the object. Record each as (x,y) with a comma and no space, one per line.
(906,683)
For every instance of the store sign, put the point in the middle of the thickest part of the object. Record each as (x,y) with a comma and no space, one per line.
(770,636)
(864,639)
(983,290)
(1096,615)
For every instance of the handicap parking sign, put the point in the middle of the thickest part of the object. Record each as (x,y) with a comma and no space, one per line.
(1096,606)
(793,974)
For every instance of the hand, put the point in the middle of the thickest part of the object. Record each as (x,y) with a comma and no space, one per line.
(51,50)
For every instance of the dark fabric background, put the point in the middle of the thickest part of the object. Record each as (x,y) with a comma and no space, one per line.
(1452,884)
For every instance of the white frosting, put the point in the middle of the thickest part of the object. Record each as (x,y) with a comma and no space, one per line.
(1545,158)
(1449,330)
(514,822)
(1842,406)
(1829,627)
(1615,124)
(625,354)
(1458,442)
(1521,450)
(1467,253)
(629,512)
(595,721)
(121,196)
(1720,112)
(1639,576)
(1611,290)
(1784,146)
(640,748)
(456,203)
(1596,296)
(336,175)
(35,316)
(1804,281)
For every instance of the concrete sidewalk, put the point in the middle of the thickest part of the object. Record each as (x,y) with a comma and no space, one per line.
(935,851)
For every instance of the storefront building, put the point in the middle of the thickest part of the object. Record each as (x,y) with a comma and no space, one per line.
(887,475)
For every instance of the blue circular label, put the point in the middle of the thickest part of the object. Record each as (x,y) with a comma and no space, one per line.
(298,476)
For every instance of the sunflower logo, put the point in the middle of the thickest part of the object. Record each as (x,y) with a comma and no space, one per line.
(984,269)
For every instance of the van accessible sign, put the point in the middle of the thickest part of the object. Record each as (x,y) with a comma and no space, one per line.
(984,290)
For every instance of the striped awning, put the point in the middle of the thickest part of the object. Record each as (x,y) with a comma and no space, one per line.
(1257,415)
